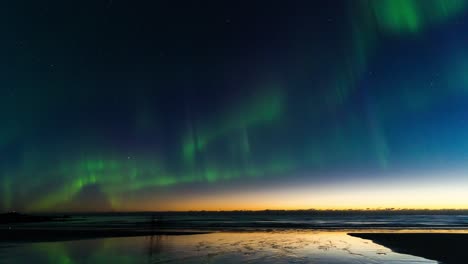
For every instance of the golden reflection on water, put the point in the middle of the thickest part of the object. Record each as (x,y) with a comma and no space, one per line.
(224,247)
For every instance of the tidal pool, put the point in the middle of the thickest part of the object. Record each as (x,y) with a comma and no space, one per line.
(221,247)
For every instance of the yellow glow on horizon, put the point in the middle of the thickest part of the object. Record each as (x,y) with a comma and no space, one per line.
(429,196)
(434,191)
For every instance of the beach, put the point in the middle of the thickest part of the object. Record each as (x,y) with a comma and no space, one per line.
(280,246)
(233,237)
(444,247)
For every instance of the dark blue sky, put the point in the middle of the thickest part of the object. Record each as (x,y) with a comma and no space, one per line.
(176,105)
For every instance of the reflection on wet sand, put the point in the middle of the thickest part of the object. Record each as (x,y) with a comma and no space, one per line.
(222,247)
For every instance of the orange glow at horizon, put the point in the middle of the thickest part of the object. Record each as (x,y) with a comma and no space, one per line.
(409,196)
(435,191)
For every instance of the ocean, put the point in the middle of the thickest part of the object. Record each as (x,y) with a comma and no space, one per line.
(266,220)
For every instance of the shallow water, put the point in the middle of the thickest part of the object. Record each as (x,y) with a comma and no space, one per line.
(331,247)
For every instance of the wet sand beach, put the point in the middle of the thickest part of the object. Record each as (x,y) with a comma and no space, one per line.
(234,238)
(300,246)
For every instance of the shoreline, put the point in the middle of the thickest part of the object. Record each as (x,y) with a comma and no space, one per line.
(58,235)
(447,248)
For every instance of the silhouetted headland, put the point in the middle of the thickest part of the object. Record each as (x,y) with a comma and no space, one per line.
(447,248)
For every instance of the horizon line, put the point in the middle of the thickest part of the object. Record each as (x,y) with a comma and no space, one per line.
(245,210)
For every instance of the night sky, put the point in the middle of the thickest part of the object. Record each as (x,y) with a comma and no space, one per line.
(132,105)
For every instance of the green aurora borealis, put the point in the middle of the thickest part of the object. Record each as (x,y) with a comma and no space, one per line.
(127,106)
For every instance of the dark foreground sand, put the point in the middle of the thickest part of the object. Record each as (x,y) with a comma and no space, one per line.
(443,247)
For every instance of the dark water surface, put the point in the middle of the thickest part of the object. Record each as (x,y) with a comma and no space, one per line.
(261,220)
